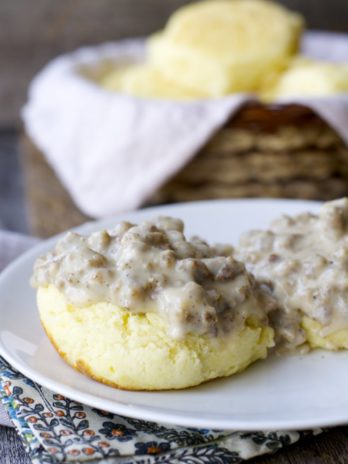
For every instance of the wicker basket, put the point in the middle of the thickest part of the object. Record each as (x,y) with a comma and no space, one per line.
(266,151)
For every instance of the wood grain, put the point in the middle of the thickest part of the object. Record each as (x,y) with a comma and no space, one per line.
(328,448)
(11,448)
(12,209)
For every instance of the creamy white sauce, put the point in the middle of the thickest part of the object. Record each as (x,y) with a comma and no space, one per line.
(153,267)
(304,262)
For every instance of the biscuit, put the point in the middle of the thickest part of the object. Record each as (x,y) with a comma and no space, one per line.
(316,337)
(306,77)
(217,48)
(144,81)
(135,352)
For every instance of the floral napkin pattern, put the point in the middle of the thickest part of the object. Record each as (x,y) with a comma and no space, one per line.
(55,430)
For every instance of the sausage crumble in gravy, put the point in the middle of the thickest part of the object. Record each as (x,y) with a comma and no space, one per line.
(303,260)
(153,267)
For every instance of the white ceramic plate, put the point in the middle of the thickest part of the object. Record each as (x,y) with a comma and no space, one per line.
(279,393)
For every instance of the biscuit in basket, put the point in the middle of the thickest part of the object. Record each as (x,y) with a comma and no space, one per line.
(144,81)
(223,46)
(306,77)
(143,308)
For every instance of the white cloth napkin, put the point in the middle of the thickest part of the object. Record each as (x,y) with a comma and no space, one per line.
(11,246)
(112,151)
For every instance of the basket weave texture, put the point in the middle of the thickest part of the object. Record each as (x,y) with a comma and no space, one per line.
(266,151)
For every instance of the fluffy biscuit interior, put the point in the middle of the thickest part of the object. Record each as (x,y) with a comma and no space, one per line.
(134,351)
(317,338)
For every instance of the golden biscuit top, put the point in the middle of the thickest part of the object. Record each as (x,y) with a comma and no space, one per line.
(233,28)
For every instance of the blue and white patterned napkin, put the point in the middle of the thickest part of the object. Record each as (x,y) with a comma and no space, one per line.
(55,429)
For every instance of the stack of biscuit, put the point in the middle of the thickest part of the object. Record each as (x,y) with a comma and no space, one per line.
(280,151)
(215,48)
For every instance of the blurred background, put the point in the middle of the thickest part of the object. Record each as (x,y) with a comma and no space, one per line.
(32,33)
